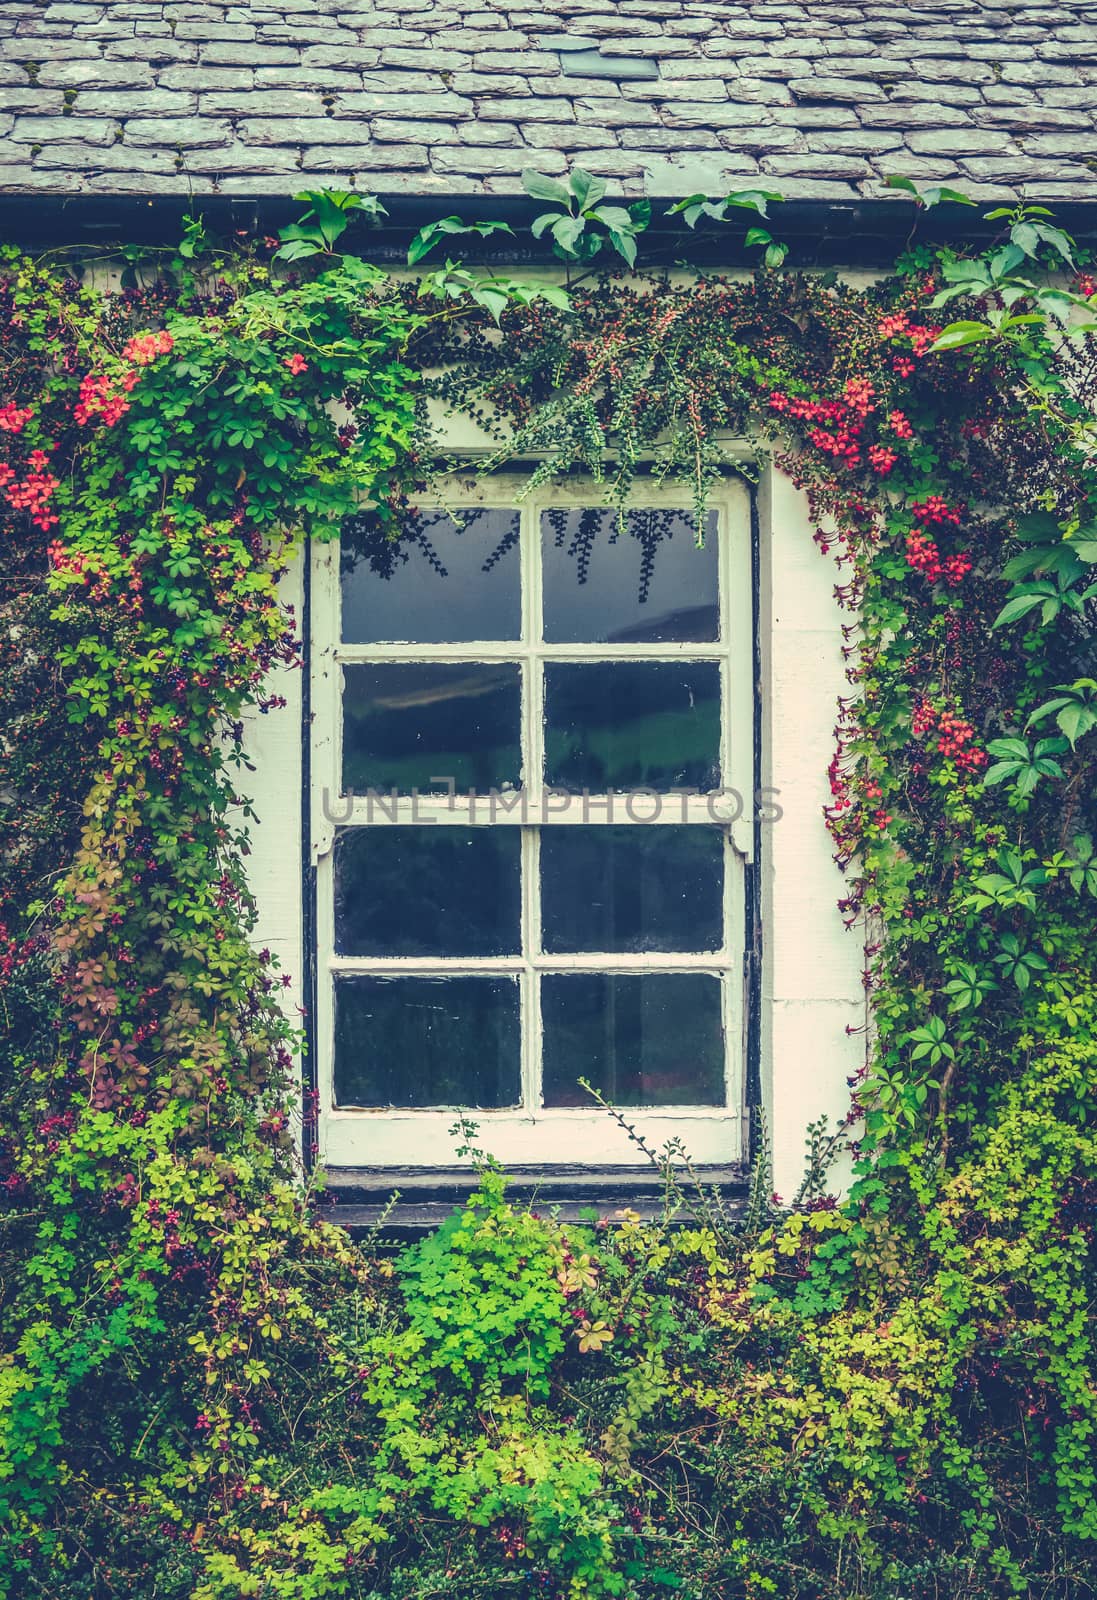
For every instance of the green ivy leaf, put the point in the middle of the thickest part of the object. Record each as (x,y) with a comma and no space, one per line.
(540,187)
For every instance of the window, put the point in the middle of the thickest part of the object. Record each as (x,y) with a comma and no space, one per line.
(532,796)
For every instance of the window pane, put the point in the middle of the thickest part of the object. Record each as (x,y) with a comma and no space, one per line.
(428,891)
(632,888)
(646,583)
(440,582)
(654,1039)
(632,724)
(427,1041)
(404,722)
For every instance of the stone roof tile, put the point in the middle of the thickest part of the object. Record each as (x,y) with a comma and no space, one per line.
(454,97)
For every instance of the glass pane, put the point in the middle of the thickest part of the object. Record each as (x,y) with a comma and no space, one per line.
(645,583)
(654,1039)
(632,888)
(427,1041)
(442,581)
(405,722)
(428,891)
(632,724)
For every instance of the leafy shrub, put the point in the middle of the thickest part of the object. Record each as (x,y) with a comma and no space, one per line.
(205,1391)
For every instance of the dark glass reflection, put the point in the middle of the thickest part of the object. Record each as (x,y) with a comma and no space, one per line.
(433,891)
(632,888)
(427,1041)
(654,1039)
(440,582)
(647,582)
(404,722)
(632,724)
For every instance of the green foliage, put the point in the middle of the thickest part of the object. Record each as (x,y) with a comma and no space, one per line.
(1026,765)
(433,233)
(1075,708)
(1020,271)
(490,292)
(208,1393)
(926,198)
(324,223)
(580,225)
(696,206)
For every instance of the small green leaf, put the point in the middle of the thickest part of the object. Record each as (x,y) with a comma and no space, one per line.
(624,244)
(567,231)
(753,199)
(1015,609)
(544,188)
(587,190)
(1075,720)
(961,333)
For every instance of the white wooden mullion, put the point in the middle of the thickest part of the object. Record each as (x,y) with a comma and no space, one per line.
(532,768)
(325,734)
(421,1137)
(325,686)
(740,646)
(636,810)
(730,982)
(511,649)
(619,961)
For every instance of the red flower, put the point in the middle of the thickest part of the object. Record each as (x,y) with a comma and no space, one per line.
(923,555)
(882,458)
(32,494)
(899,425)
(296,363)
(99,400)
(923,718)
(12,419)
(859,394)
(144,348)
(955,743)
(957,568)
(922,338)
(934,509)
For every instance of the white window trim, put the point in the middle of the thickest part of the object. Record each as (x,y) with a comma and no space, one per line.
(354,1136)
(814,1007)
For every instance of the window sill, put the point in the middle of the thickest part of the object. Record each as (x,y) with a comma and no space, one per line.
(356,1198)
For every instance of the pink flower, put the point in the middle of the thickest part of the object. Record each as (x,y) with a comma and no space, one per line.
(144,348)
(12,418)
(859,394)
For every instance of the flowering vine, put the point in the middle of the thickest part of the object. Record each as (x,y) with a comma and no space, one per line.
(861,1397)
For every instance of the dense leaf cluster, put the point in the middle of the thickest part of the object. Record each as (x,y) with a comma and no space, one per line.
(206,1392)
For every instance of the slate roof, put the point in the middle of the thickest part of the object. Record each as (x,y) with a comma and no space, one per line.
(443,97)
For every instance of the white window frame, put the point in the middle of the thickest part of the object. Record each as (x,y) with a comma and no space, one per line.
(534,1136)
(813,1006)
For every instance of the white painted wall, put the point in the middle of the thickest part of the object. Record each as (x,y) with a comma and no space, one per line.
(812,988)
(273,745)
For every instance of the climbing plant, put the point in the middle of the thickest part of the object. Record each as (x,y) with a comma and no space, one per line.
(208,1391)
